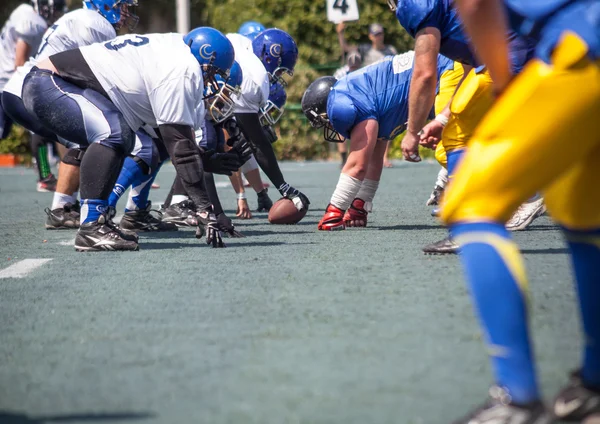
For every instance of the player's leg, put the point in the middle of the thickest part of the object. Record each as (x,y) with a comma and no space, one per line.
(343,151)
(495,177)
(252,173)
(65,209)
(363,139)
(39,150)
(362,205)
(87,118)
(5,123)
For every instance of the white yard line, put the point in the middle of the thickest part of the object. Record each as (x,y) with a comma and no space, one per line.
(67,242)
(22,268)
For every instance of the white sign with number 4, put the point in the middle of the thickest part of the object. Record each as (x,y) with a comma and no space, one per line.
(342,11)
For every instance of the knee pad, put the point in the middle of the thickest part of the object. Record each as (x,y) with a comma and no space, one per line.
(250,165)
(187,160)
(73,157)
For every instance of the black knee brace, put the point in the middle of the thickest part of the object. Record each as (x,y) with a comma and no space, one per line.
(73,157)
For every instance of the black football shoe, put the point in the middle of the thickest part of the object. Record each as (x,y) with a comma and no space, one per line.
(443,247)
(182,214)
(143,220)
(103,235)
(65,218)
(264,201)
(499,409)
(576,401)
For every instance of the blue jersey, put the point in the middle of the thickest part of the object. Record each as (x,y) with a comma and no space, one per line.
(547,20)
(414,15)
(378,91)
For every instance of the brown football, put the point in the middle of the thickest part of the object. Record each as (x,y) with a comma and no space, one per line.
(284,211)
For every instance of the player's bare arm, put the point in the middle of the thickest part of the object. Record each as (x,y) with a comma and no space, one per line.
(22,53)
(488,34)
(422,89)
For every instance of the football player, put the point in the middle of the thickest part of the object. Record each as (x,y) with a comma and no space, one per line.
(525,145)
(20,38)
(437,29)
(250,29)
(94,23)
(98,95)
(370,107)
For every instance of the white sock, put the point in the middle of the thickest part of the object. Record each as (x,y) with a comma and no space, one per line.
(345,191)
(178,198)
(442,178)
(367,190)
(60,200)
(76,195)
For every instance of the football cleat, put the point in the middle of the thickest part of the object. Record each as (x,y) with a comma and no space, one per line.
(576,402)
(435,212)
(499,409)
(435,196)
(264,201)
(332,220)
(442,247)
(356,215)
(46,185)
(143,220)
(525,215)
(182,214)
(64,218)
(103,235)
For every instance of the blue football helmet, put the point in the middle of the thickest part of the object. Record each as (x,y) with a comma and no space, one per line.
(115,11)
(250,29)
(270,114)
(278,52)
(219,104)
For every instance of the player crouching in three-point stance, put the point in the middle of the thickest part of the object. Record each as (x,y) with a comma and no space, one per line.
(531,141)
(369,106)
(98,95)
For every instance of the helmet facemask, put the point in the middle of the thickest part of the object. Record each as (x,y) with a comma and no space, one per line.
(219,103)
(128,18)
(392,5)
(321,120)
(271,113)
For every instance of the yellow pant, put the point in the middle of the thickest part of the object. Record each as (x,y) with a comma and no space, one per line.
(543,134)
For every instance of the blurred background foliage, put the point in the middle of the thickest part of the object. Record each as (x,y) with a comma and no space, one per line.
(306,21)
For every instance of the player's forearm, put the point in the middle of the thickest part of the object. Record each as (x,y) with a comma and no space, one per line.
(236,182)
(420,100)
(485,22)
(22,53)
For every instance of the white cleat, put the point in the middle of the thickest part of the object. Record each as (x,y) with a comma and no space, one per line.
(526,214)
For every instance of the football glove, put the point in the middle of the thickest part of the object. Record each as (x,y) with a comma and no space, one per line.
(296,196)
(208,225)
(226,226)
(237,141)
(221,163)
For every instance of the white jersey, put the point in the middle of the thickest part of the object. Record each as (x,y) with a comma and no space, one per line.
(23,24)
(255,85)
(78,28)
(152,79)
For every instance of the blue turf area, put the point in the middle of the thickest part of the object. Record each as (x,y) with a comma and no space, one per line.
(288,325)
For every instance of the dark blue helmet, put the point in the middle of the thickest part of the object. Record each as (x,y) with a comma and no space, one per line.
(219,104)
(270,114)
(278,52)
(213,51)
(250,29)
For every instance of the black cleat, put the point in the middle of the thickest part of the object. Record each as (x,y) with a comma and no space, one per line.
(182,214)
(143,220)
(65,218)
(576,402)
(499,409)
(46,185)
(103,235)
(264,201)
(442,247)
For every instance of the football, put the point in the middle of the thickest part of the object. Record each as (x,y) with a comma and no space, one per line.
(284,211)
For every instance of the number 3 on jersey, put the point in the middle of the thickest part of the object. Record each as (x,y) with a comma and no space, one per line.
(126,40)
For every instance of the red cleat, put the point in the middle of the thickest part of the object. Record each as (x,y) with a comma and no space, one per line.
(356,215)
(332,220)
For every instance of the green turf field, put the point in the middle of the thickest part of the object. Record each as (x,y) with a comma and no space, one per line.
(288,325)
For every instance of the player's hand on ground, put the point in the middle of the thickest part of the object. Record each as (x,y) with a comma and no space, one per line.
(410,147)
(226,226)
(209,227)
(243,210)
(296,196)
(431,134)
(221,163)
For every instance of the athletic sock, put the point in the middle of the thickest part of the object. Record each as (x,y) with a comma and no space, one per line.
(442,178)
(140,191)
(585,256)
(345,191)
(131,171)
(496,276)
(367,190)
(91,209)
(60,200)
(39,150)
(454,158)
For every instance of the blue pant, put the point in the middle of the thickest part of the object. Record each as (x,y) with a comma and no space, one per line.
(5,123)
(82,116)
(211,138)
(13,106)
